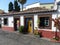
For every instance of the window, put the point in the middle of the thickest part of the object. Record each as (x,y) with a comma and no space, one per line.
(5,21)
(44,21)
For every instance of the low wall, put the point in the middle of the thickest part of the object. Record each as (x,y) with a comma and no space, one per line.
(48,34)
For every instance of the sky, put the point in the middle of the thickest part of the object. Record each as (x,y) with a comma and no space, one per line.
(4,3)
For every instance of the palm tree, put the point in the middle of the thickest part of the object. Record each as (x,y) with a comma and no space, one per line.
(22,2)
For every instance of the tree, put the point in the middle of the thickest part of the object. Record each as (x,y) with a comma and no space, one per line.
(22,2)
(57,25)
(10,7)
(16,6)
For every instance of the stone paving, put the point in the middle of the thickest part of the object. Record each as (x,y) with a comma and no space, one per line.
(15,38)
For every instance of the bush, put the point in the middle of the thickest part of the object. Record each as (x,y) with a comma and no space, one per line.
(21,28)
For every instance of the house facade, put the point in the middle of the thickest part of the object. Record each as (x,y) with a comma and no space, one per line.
(31,19)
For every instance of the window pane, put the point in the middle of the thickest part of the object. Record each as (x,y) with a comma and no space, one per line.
(42,21)
(47,23)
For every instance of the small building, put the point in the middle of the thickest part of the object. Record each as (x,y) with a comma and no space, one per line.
(47,5)
(41,5)
(37,17)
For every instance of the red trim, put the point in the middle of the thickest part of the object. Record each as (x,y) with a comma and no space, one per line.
(8,28)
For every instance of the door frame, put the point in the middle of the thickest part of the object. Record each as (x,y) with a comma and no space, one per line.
(15,23)
(32,17)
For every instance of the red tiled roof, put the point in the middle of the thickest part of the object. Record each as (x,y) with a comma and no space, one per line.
(35,9)
(30,11)
(2,12)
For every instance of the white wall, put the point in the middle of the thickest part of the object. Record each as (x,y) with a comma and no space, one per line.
(10,21)
(53,17)
(55,6)
(2,21)
(21,20)
(35,21)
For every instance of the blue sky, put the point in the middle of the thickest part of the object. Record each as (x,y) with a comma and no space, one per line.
(4,3)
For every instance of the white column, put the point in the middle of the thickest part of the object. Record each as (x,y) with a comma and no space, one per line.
(21,20)
(35,21)
(10,21)
(53,17)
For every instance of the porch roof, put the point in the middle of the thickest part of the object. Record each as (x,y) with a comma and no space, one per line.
(29,13)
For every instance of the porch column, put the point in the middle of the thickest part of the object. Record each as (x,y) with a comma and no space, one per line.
(10,21)
(35,21)
(53,17)
(21,20)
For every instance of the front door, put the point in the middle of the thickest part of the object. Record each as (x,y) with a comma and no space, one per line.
(28,25)
(16,23)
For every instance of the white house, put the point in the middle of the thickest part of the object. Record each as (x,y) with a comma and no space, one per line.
(29,19)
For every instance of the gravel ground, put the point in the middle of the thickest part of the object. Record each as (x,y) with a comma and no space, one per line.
(14,38)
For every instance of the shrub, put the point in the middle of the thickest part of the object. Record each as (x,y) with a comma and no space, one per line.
(21,28)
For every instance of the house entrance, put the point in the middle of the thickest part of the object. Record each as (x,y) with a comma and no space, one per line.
(28,25)
(16,23)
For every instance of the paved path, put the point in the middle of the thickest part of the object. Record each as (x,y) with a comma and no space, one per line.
(11,38)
